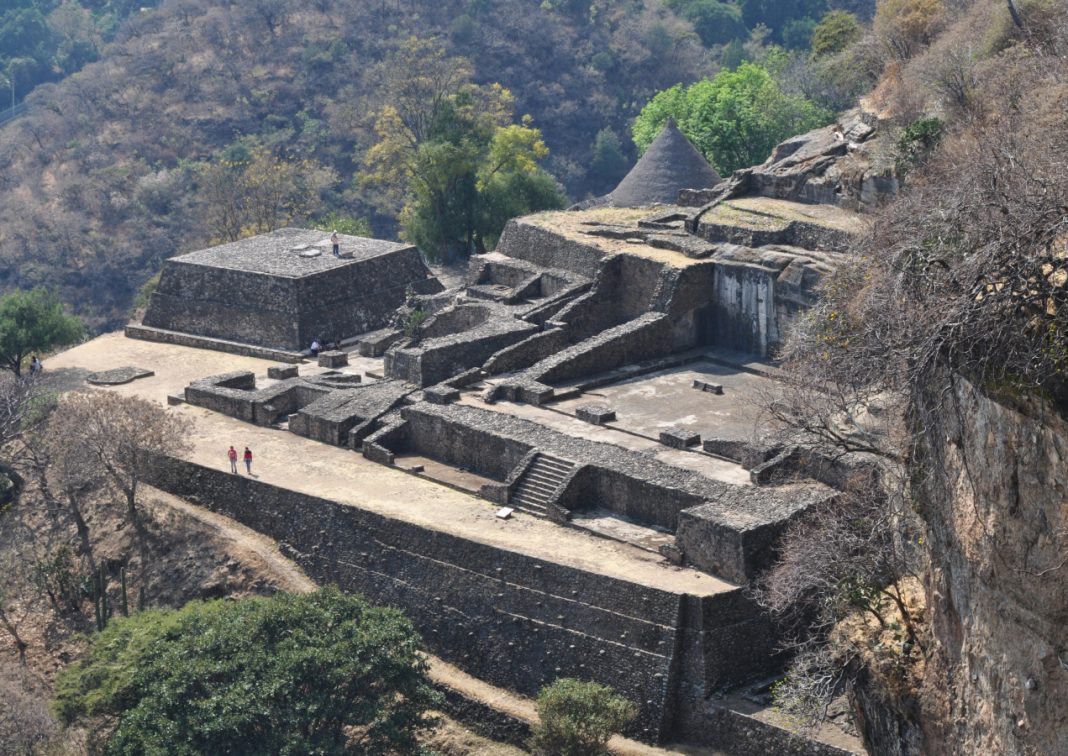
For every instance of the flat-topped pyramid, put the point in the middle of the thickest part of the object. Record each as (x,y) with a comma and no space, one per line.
(284,288)
(669,164)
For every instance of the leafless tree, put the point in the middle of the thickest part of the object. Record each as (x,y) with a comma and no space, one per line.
(23,406)
(119,433)
(25,722)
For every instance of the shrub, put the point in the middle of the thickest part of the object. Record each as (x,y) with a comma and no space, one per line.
(578,718)
(318,673)
(834,33)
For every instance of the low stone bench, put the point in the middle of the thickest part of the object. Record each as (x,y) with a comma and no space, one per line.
(598,414)
(679,438)
(711,388)
(281,372)
(440,394)
(333,359)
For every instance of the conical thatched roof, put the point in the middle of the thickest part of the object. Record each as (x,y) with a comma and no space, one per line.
(669,164)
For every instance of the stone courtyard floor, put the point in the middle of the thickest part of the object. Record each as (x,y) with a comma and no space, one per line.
(290,461)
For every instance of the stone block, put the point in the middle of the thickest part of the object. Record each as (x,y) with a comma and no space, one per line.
(281,372)
(440,394)
(333,359)
(376,343)
(598,414)
(711,388)
(671,552)
(174,399)
(679,438)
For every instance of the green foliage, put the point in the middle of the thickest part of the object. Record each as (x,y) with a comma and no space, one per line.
(834,33)
(777,14)
(733,55)
(344,224)
(415,319)
(319,673)
(735,119)
(448,149)
(797,33)
(144,294)
(578,718)
(608,163)
(916,142)
(715,22)
(42,40)
(33,321)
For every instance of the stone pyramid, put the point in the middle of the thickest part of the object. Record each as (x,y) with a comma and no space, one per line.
(669,164)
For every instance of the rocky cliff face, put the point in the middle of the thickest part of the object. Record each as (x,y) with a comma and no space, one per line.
(994,494)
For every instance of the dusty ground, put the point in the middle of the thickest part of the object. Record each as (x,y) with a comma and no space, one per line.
(284,459)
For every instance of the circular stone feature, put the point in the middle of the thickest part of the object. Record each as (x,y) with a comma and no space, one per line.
(118,376)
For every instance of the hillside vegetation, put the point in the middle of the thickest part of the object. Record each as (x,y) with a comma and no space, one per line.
(116,167)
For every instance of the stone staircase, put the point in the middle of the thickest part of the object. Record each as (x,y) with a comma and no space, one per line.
(538,483)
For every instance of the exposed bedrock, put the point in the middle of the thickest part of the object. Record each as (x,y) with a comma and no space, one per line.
(849,163)
(994,495)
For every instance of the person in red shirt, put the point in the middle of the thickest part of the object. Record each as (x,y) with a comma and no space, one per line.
(232,454)
(248,460)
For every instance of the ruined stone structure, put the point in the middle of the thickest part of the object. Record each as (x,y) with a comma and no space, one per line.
(595,372)
(283,289)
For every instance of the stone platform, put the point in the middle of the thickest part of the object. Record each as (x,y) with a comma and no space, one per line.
(283,289)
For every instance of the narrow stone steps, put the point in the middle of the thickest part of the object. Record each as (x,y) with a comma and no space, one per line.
(541,480)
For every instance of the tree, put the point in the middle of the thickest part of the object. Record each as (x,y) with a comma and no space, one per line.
(715,22)
(835,32)
(33,321)
(323,672)
(447,149)
(906,26)
(251,190)
(121,433)
(735,119)
(577,718)
(608,163)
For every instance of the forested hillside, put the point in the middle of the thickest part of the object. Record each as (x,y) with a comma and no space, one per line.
(111,170)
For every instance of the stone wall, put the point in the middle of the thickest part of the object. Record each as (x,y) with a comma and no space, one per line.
(640,339)
(725,529)
(253,308)
(282,312)
(528,241)
(513,620)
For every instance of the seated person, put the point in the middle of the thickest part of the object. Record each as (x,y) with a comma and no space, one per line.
(315,348)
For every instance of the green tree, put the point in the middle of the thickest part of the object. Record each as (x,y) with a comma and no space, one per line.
(735,119)
(318,673)
(834,33)
(446,151)
(715,22)
(797,33)
(733,55)
(33,321)
(344,224)
(577,718)
(608,163)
